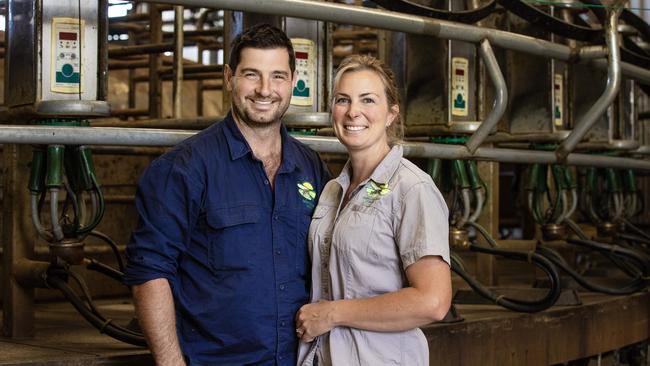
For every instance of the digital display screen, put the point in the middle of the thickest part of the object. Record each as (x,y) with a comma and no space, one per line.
(302,55)
(68,36)
(460,72)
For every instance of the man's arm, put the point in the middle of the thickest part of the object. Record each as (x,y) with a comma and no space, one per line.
(154,306)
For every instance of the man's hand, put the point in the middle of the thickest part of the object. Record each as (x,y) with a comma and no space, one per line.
(315,319)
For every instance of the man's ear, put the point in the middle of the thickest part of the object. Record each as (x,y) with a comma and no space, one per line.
(227,76)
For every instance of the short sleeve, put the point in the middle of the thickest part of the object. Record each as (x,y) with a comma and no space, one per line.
(167,201)
(422,226)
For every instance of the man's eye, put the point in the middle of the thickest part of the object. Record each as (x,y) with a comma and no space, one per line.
(280,77)
(251,76)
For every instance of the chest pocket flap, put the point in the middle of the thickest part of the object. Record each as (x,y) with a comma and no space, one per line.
(231,216)
(234,243)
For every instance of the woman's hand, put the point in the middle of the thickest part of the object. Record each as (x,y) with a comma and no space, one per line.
(315,319)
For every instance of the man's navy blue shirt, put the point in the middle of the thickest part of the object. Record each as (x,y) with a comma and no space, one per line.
(233,248)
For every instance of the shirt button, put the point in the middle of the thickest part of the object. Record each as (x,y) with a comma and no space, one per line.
(283,323)
(275,217)
(278,252)
(280,357)
(266,181)
(282,287)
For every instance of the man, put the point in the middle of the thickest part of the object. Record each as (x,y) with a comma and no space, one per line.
(219,258)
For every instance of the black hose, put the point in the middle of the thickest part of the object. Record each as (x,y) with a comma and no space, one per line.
(635,228)
(632,237)
(546,21)
(632,256)
(109,271)
(576,229)
(103,325)
(636,285)
(525,306)
(112,244)
(467,16)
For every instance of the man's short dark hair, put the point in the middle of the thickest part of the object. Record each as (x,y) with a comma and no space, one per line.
(264,36)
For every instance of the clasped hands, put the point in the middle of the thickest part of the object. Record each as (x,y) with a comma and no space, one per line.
(315,319)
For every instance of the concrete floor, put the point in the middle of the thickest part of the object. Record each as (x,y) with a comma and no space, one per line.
(489,335)
(63,337)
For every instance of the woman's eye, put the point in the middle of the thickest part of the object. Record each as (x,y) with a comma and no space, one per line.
(341,100)
(368,100)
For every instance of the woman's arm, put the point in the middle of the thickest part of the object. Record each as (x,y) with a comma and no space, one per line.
(426,300)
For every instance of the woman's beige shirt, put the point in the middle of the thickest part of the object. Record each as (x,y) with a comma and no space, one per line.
(393,219)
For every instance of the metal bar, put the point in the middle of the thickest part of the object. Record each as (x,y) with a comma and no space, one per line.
(155,87)
(17,300)
(399,22)
(189,76)
(159,137)
(129,112)
(500,101)
(140,49)
(102,52)
(606,99)
(177,88)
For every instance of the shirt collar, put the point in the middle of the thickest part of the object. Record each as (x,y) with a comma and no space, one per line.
(382,173)
(238,146)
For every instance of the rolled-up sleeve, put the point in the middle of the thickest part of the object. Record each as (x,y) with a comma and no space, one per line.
(422,227)
(167,201)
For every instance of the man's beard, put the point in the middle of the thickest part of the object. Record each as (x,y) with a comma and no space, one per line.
(257,120)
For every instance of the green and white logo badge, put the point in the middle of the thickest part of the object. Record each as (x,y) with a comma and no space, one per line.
(307,191)
(377,190)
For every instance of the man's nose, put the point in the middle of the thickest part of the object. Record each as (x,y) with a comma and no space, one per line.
(263,87)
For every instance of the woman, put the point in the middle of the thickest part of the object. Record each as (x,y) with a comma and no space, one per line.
(378,238)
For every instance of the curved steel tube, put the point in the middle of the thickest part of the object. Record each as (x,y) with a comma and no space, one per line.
(500,100)
(480,200)
(606,99)
(36,220)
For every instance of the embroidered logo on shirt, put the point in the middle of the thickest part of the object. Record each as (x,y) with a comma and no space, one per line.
(307,192)
(377,190)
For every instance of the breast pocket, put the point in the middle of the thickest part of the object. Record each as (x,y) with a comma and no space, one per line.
(233,239)
(355,229)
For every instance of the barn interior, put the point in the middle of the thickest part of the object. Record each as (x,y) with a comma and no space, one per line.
(529,115)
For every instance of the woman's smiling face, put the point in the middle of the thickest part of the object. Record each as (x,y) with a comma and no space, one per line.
(360,111)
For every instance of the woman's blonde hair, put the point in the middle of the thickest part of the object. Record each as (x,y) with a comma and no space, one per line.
(353,63)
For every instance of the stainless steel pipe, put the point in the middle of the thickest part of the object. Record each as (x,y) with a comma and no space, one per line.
(605,100)
(500,101)
(383,19)
(158,137)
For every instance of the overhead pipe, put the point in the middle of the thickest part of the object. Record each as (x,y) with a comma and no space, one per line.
(500,101)
(49,135)
(399,22)
(606,99)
